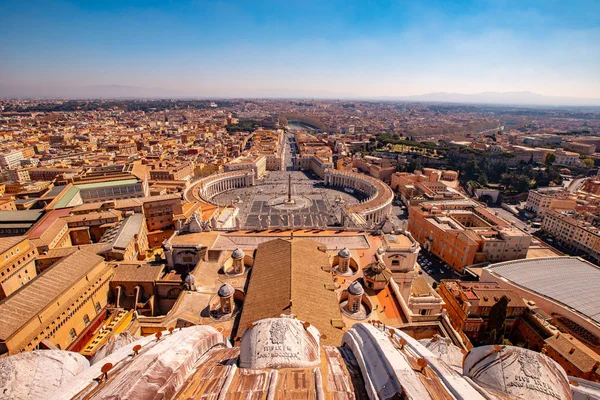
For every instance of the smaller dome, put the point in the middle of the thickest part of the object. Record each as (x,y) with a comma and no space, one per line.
(226,290)
(377,272)
(237,254)
(344,253)
(381,251)
(356,289)
(190,279)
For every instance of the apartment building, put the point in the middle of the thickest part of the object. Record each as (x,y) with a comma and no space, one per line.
(468,305)
(463,232)
(11,159)
(567,157)
(572,230)
(19,175)
(539,201)
(583,148)
(267,143)
(124,148)
(591,186)
(176,171)
(49,173)
(17,263)
(379,168)
(425,185)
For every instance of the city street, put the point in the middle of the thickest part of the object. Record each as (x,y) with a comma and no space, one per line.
(433,269)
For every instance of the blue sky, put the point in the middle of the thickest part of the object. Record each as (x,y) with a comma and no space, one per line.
(302,48)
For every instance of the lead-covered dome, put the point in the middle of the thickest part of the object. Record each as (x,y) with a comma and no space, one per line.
(238,254)
(356,289)
(344,253)
(226,290)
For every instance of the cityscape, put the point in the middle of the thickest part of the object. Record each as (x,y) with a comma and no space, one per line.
(172,241)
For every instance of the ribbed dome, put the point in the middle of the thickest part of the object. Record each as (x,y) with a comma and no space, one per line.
(226,290)
(356,289)
(377,271)
(344,253)
(237,254)
(190,279)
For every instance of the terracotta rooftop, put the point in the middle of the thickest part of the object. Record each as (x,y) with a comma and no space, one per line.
(41,228)
(287,279)
(7,243)
(60,252)
(574,351)
(24,304)
(137,272)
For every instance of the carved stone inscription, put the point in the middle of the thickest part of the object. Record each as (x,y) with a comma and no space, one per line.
(531,372)
(280,343)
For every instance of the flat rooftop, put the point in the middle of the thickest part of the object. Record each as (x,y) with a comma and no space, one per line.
(98,185)
(251,239)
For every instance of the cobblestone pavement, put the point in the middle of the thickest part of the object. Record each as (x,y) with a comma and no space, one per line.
(324,205)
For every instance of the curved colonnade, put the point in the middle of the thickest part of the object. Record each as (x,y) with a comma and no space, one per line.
(375,207)
(207,188)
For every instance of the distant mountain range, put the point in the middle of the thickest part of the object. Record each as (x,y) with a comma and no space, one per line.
(131,92)
(506,98)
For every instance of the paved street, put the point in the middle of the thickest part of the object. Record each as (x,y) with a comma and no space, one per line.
(433,269)
(260,206)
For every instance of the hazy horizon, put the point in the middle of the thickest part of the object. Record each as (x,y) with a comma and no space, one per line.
(301,49)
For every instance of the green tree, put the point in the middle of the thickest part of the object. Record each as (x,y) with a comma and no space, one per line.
(550,159)
(517,182)
(483,179)
(588,162)
(414,165)
(498,313)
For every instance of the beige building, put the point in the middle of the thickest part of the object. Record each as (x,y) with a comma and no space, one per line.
(463,232)
(583,148)
(379,168)
(172,171)
(128,240)
(19,175)
(567,157)
(573,231)
(17,263)
(54,308)
(539,201)
(255,163)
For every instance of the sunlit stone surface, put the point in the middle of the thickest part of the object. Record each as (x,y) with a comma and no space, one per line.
(33,375)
